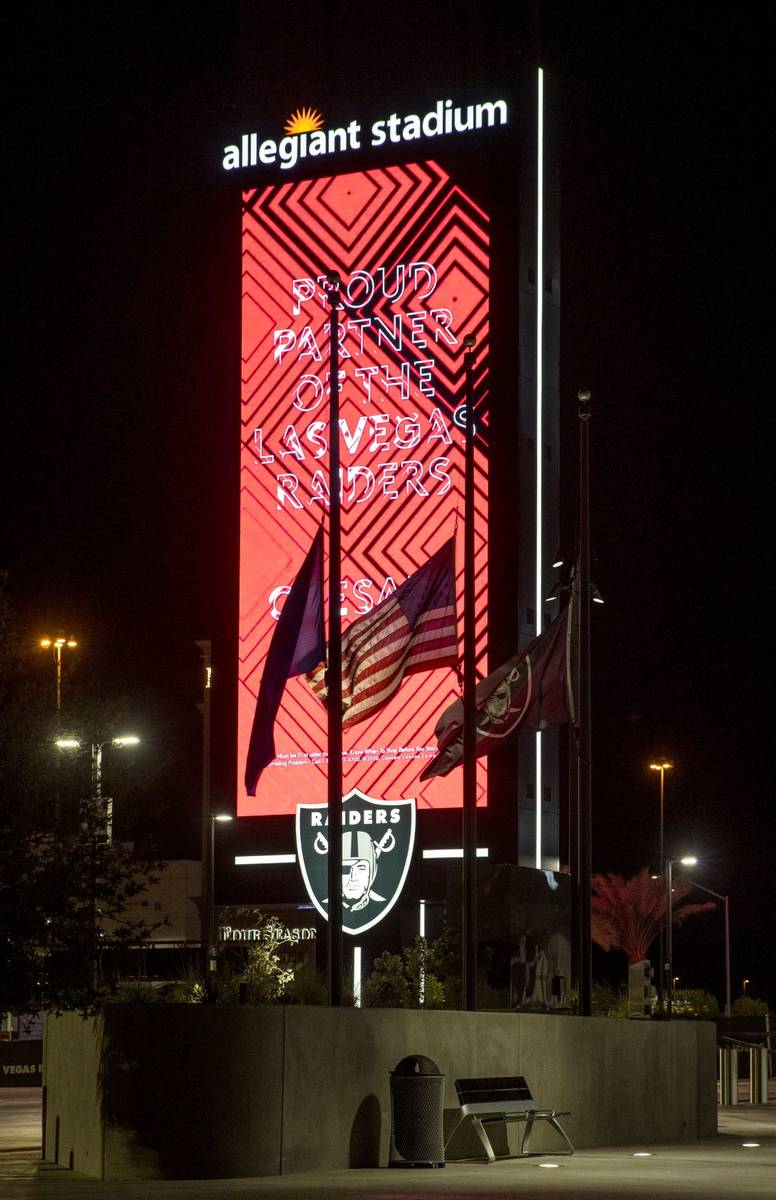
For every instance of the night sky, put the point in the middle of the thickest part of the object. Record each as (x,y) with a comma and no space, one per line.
(120,415)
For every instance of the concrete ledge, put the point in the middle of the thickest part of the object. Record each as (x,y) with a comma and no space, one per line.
(195,1091)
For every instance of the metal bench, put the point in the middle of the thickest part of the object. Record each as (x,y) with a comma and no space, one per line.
(504,1098)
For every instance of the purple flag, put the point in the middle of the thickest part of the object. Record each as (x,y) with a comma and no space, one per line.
(297,646)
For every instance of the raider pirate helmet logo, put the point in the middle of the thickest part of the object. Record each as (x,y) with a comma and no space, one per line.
(377,841)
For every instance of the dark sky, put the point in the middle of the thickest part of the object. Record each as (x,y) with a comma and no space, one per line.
(117,434)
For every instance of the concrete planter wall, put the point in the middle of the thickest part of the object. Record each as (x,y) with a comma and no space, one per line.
(194,1091)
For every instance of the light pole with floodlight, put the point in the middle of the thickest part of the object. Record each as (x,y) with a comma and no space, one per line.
(688,860)
(223,818)
(726,907)
(56,642)
(96,748)
(662,765)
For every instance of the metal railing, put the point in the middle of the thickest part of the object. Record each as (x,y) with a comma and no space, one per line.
(729,1052)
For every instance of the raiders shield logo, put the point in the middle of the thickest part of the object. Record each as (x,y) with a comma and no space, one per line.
(377,841)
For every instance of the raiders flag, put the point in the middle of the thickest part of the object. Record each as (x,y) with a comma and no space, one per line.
(524,695)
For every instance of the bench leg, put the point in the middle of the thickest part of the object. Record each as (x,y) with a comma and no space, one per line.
(525,1147)
(557,1125)
(452,1135)
(482,1135)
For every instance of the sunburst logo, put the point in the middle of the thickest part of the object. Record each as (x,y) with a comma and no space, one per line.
(304,120)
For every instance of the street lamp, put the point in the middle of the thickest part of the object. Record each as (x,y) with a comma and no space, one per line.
(662,765)
(127,739)
(726,907)
(689,860)
(210,890)
(57,641)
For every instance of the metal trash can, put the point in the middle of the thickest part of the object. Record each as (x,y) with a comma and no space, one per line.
(417,1106)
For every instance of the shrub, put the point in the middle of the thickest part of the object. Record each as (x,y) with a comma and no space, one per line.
(694,1002)
(307,987)
(750,1006)
(405,980)
(608,1001)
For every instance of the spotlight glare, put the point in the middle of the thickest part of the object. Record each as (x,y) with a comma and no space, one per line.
(750,1145)
(642,1154)
(548,1165)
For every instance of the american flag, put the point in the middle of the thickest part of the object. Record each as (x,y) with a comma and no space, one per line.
(414,629)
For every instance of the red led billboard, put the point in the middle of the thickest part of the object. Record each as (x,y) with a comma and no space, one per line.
(412,251)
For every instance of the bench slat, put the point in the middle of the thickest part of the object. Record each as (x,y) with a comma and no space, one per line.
(494,1090)
(493,1081)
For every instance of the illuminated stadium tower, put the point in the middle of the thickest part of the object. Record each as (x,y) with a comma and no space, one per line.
(439,212)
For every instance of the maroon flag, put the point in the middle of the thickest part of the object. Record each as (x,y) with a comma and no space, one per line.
(524,695)
(412,630)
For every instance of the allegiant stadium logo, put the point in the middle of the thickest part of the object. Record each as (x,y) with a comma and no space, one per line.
(304,120)
(306,137)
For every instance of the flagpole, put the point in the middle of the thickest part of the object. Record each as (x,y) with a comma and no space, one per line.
(469,705)
(334,670)
(584,739)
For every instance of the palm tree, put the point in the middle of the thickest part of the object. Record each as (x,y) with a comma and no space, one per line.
(627,913)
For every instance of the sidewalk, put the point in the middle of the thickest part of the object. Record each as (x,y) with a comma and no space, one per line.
(720,1169)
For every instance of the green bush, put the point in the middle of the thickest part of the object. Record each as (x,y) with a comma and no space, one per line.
(307,987)
(406,980)
(608,1001)
(750,1006)
(694,1002)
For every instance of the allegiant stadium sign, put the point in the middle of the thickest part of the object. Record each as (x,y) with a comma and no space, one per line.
(306,136)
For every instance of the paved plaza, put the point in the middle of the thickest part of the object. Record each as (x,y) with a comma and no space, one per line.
(718,1169)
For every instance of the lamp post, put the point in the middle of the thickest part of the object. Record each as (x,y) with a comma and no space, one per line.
(687,861)
(96,749)
(57,641)
(127,739)
(662,765)
(211,907)
(206,827)
(726,908)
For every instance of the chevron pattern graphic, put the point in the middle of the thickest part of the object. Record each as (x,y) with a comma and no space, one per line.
(412,251)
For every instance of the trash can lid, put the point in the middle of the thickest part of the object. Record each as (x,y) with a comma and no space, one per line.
(416,1064)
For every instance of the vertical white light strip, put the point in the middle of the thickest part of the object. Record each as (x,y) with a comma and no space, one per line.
(422,933)
(356,976)
(539,429)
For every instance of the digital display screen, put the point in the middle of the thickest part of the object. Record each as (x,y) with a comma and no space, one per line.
(412,251)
